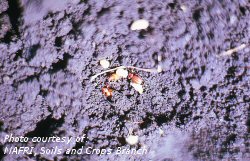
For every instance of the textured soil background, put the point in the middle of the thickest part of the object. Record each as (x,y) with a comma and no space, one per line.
(50,49)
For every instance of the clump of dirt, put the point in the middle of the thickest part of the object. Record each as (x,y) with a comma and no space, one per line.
(46,66)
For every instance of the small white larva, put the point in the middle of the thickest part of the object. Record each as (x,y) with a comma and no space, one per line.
(104,63)
(139,24)
(122,73)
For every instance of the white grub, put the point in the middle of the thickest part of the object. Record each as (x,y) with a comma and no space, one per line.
(122,73)
(137,87)
(231,51)
(132,139)
(104,63)
(139,24)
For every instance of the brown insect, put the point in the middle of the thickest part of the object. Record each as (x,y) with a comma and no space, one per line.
(135,78)
(107,91)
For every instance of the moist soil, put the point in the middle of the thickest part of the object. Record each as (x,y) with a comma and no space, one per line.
(197,108)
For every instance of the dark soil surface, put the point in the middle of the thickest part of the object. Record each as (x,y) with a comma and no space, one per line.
(201,101)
